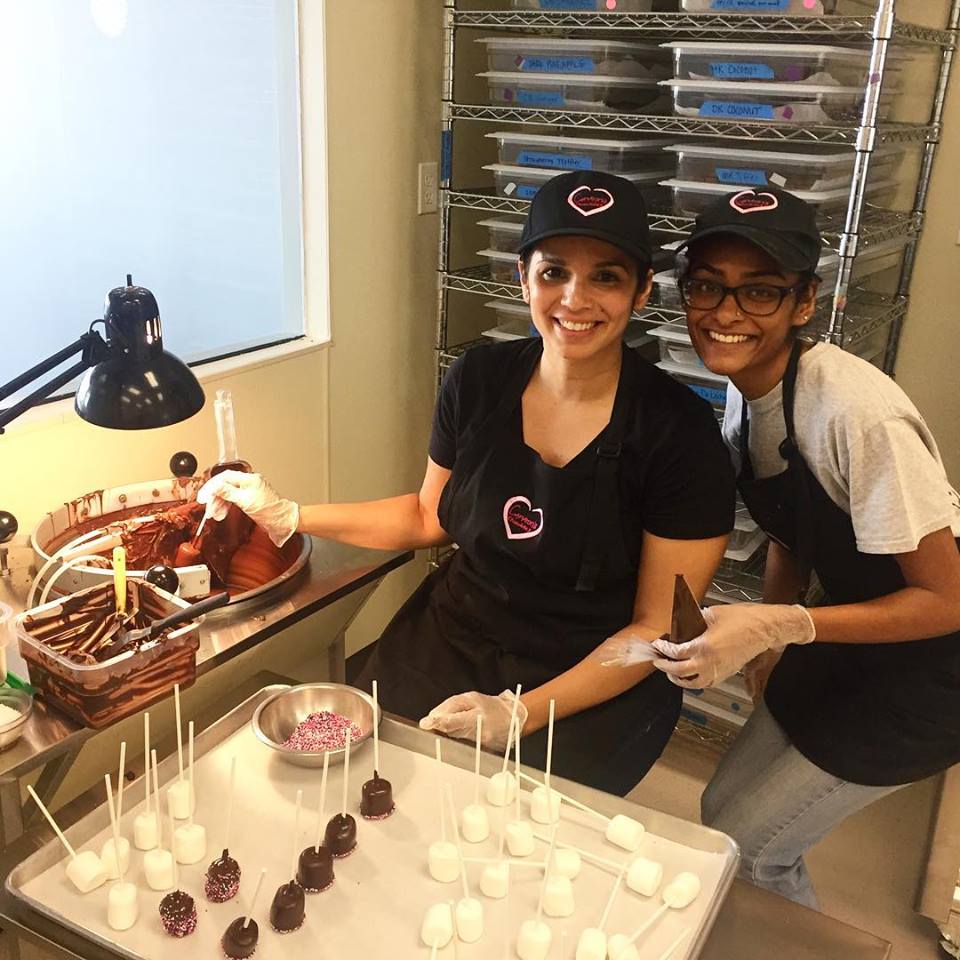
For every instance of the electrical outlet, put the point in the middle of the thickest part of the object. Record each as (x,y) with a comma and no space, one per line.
(428,188)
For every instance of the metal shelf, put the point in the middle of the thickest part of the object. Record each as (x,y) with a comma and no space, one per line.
(703,26)
(690,126)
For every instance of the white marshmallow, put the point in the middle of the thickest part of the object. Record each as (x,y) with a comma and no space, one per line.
(645,876)
(109,858)
(558,897)
(85,871)
(474,824)
(437,926)
(520,839)
(545,805)
(533,942)
(122,908)
(501,789)
(565,863)
(443,861)
(469,916)
(158,869)
(189,843)
(182,800)
(617,950)
(681,891)
(592,945)
(625,832)
(145,831)
(495,880)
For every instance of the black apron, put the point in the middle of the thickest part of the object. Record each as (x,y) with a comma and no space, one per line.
(877,714)
(542,576)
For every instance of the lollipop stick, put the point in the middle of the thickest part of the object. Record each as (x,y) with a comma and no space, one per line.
(443,816)
(637,934)
(546,777)
(323,800)
(146,759)
(546,873)
(253,899)
(190,755)
(173,856)
(233,778)
(176,708)
(296,836)
(567,799)
(114,827)
(513,720)
(516,760)
(456,934)
(503,832)
(123,763)
(346,772)
(376,732)
(668,953)
(156,800)
(506,915)
(52,822)
(456,838)
(433,950)
(476,762)
(611,898)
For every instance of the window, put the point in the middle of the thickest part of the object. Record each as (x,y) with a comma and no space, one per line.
(159,139)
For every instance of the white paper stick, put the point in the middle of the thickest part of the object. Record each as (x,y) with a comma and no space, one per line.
(456,932)
(323,801)
(176,708)
(516,760)
(503,831)
(233,779)
(296,836)
(546,775)
(376,732)
(176,872)
(456,839)
(123,763)
(253,899)
(537,864)
(586,854)
(433,950)
(190,756)
(563,943)
(156,800)
(146,759)
(52,822)
(637,934)
(513,720)
(566,799)
(546,873)
(668,953)
(443,816)
(476,762)
(346,771)
(114,827)
(613,896)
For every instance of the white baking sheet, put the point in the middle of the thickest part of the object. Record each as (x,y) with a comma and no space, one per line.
(375,907)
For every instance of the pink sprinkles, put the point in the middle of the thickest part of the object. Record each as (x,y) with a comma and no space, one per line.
(321,732)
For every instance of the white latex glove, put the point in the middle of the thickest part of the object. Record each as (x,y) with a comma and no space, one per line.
(626,648)
(457,717)
(736,633)
(256,498)
(757,672)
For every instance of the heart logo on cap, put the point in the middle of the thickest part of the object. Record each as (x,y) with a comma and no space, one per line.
(590,200)
(521,519)
(749,201)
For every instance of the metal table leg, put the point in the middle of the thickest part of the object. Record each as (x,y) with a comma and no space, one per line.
(11,812)
(49,781)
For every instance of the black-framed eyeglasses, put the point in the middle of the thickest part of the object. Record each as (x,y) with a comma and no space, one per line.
(755,299)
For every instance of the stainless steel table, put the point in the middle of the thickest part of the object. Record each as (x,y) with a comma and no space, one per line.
(336,572)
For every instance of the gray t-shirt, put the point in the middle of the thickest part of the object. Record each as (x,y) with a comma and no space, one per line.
(863,440)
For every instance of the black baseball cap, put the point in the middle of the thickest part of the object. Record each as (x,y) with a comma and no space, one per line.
(776,221)
(590,203)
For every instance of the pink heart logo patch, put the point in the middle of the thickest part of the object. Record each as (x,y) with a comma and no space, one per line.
(590,200)
(749,201)
(521,519)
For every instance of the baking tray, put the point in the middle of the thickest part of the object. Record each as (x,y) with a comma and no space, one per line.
(386,878)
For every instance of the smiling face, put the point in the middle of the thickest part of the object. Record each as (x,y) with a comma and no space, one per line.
(751,350)
(581,292)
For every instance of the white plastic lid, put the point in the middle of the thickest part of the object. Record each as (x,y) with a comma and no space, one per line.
(508,226)
(549,43)
(773,49)
(509,306)
(547,173)
(672,333)
(700,373)
(795,91)
(501,255)
(573,79)
(805,157)
(543,139)
(811,196)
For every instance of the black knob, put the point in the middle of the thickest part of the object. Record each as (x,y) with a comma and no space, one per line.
(183,464)
(8,526)
(163,577)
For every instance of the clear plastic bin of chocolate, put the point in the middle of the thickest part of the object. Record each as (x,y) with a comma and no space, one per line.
(564,91)
(791,103)
(62,639)
(784,8)
(613,58)
(512,315)
(524,182)
(504,233)
(503,266)
(794,63)
(563,154)
(566,6)
(796,169)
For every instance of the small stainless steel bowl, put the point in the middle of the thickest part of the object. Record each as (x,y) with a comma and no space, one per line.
(276,719)
(22,702)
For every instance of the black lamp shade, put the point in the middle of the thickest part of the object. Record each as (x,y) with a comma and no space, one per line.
(139,385)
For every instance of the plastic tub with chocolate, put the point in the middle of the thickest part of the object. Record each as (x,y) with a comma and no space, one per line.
(566,91)
(76,660)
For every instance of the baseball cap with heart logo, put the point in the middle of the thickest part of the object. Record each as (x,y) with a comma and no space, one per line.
(590,203)
(776,221)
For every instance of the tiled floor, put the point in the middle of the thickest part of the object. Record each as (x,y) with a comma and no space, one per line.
(866,871)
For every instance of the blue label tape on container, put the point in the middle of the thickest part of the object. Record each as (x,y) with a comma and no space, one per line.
(735,175)
(555,161)
(526,192)
(540,98)
(715,395)
(446,155)
(568,4)
(750,5)
(558,64)
(742,71)
(736,111)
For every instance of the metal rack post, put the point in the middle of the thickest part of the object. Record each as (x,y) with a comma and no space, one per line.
(446,169)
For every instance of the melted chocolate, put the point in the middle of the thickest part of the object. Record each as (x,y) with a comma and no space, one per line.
(341,835)
(238,941)
(315,869)
(223,879)
(376,798)
(288,908)
(686,622)
(178,914)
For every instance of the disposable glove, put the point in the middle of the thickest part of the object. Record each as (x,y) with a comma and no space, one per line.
(256,498)
(626,648)
(457,717)
(736,633)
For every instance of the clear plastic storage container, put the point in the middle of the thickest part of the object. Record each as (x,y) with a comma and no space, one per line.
(503,266)
(773,62)
(513,320)
(806,169)
(524,182)
(794,103)
(711,386)
(578,153)
(616,6)
(675,346)
(783,8)
(504,234)
(563,91)
(612,58)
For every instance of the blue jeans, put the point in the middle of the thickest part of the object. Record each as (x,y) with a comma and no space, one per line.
(777,804)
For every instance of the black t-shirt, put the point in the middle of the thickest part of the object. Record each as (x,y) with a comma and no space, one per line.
(676,478)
